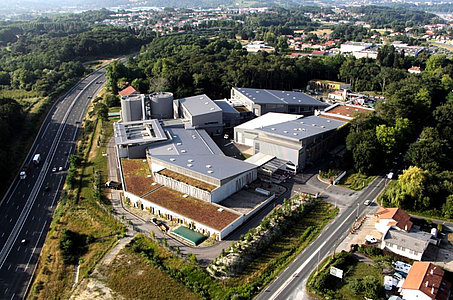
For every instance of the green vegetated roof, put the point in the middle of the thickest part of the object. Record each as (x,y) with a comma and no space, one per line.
(189,235)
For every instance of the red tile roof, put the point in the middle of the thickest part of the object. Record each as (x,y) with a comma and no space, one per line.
(401,218)
(127,91)
(428,279)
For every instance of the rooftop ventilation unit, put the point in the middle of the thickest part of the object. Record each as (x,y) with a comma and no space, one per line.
(272,128)
(172,159)
(169,148)
(220,209)
(208,166)
(313,124)
(183,151)
(285,131)
(189,165)
(328,121)
(179,144)
(190,160)
(206,103)
(210,171)
(185,196)
(295,133)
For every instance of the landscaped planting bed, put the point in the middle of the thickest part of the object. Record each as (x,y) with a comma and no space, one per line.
(197,210)
(136,173)
(190,181)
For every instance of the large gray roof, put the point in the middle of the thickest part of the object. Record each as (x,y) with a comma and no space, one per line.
(199,105)
(262,96)
(215,166)
(185,142)
(416,241)
(302,128)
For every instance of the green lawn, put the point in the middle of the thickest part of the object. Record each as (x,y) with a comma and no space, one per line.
(131,277)
(359,271)
(356,181)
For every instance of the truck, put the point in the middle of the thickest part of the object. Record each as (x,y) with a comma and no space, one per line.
(36,159)
(23,173)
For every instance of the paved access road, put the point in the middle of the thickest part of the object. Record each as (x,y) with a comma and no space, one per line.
(290,283)
(26,210)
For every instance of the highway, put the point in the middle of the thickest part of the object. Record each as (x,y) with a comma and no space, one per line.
(27,208)
(289,284)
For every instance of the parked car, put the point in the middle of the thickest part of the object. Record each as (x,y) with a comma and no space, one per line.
(54,169)
(367,202)
(155,221)
(370,239)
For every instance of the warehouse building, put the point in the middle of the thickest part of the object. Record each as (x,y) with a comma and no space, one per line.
(261,101)
(295,139)
(191,163)
(199,112)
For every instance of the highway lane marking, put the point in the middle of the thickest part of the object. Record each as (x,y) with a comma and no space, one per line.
(12,297)
(53,201)
(287,282)
(3,234)
(14,190)
(6,291)
(9,267)
(36,244)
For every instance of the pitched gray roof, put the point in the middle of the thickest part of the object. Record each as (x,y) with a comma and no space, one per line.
(262,96)
(199,105)
(416,241)
(215,166)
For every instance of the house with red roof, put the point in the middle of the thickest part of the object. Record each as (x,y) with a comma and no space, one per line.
(414,70)
(392,217)
(128,91)
(425,281)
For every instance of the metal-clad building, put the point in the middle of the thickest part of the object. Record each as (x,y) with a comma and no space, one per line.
(199,112)
(292,138)
(261,101)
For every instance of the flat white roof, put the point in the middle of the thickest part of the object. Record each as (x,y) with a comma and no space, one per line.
(259,159)
(271,118)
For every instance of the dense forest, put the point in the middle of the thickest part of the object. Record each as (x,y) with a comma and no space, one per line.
(39,61)
(412,128)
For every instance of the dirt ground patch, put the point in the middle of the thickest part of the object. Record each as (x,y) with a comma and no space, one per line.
(358,237)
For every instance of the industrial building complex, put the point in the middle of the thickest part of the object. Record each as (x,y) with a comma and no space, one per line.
(189,177)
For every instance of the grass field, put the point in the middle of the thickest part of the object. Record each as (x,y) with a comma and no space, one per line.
(359,271)
(131,277)
(356,181)
(321,285)
(86,216)
(136,173)
(284,250)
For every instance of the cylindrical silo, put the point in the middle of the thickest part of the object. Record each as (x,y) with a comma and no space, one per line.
(162,105)
(132,108)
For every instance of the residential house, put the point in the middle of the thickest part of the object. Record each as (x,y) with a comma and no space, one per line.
(408,244)
(425,281)
(392,217)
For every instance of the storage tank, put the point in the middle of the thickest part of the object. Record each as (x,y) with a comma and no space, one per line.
(132,108)
(162,105)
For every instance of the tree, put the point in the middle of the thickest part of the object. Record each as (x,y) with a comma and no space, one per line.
(102,111)
(447,208)
(430,151)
